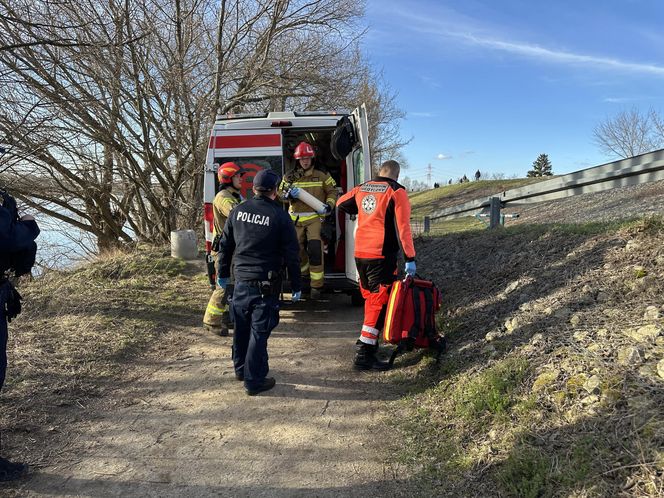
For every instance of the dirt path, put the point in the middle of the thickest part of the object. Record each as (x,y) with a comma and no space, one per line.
(187,427)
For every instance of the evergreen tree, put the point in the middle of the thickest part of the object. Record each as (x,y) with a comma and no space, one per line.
(541,167)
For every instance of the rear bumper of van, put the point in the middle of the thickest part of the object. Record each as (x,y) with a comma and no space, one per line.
(334,282)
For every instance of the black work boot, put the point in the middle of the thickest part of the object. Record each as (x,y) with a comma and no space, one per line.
(365,358)
(10,471)
(266,385)
(226,321)
(220,330)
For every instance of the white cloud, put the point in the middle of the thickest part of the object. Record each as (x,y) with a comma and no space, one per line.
(442,157)
(467,30)
(546,54)
(622,100)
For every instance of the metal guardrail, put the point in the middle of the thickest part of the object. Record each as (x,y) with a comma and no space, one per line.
(635,170)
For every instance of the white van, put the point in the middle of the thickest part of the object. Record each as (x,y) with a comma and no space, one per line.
(268,140)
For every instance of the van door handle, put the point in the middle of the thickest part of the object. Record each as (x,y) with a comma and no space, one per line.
(352,217)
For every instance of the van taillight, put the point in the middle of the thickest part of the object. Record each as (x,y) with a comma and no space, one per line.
(208,218)
(277,124)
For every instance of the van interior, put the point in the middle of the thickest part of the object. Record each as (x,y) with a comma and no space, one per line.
(319,138)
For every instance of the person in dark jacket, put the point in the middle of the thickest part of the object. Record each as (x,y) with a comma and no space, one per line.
(17,249)
(259,237)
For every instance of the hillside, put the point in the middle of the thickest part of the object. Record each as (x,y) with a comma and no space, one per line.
(428,201)
(553,384)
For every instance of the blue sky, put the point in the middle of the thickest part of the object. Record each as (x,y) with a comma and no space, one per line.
(491,84)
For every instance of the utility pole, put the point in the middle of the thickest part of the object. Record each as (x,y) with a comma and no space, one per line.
(429,175)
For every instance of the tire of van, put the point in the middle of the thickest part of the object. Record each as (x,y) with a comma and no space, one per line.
(356,298)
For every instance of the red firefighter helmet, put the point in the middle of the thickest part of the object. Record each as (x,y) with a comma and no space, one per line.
(227,171)
(304,149)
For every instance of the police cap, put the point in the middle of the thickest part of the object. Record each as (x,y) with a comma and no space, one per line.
(266,180)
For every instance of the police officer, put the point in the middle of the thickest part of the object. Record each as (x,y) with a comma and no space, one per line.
(17,253)
(230,174)
(258,236)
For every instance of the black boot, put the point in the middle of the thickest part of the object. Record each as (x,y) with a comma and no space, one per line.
(10,471)
(365,358)
(226,320)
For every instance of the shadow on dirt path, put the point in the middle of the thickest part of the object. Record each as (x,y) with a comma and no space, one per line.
(187,428)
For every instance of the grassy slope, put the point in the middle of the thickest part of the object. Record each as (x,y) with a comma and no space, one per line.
(547,389)
(429,201)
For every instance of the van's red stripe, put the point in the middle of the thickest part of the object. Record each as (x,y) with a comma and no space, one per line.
(242,141)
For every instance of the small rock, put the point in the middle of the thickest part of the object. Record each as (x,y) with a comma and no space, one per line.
(647,371)
(511,324)
(575,320)
(580,335)
(537,339)
(660,369)
(652,313)
(548,310)
(632,246)
(526,307)
(512,287)
(592,385)
(590,400)
(545,379)
(629,357)
(645,333)
(493,335)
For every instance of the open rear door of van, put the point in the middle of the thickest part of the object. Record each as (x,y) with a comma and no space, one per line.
(358,164)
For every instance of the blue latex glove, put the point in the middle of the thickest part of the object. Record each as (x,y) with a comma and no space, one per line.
(410,268)
(222,282)
(325,211)
(296,296)
(294,193)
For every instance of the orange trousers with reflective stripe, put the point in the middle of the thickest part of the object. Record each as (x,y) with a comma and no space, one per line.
(376,279)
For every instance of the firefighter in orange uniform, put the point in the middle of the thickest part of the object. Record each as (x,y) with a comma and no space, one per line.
(217,318)
(307,221)
(383,223)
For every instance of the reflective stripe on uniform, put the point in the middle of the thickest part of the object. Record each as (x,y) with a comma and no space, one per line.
(304,216)
(308,184)
(316,275)
(330,181)
(213,310)
(304,268)
(369,335)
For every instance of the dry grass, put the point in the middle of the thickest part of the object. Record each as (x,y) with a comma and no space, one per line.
(80,333)
(535,317)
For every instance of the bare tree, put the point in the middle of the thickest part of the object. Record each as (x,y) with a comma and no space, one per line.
(107,131)
(630,133)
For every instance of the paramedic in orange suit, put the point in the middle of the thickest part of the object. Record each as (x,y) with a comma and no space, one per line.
(383,225)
